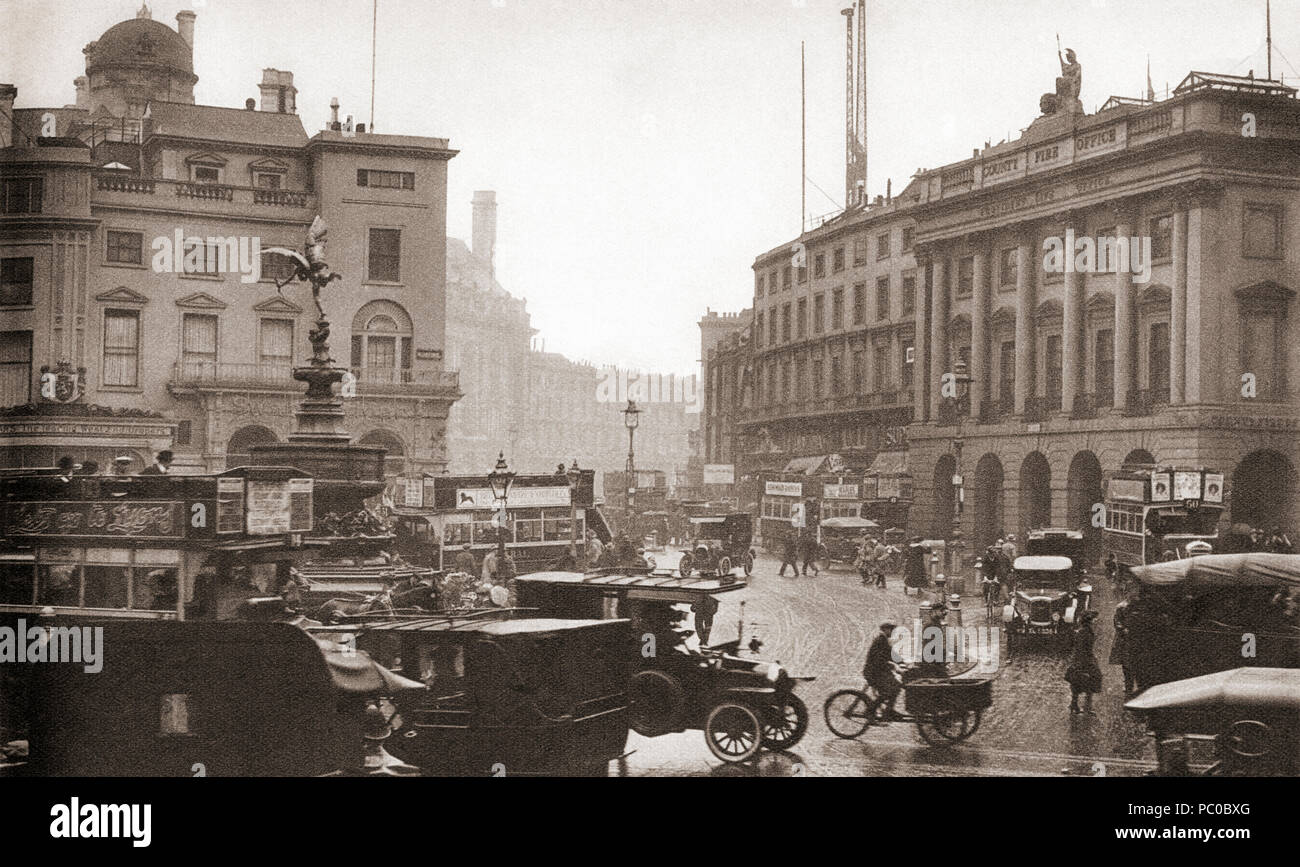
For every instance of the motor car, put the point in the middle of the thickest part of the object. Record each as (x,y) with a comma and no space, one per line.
(841,536)
(1043,596)
(718,544)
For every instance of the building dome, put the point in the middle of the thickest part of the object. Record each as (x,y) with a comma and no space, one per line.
(140,42)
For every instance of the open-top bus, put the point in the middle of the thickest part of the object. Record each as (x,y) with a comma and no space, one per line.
(1153,512)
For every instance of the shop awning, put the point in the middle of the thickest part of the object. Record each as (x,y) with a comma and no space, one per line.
(889,464)
(808,466)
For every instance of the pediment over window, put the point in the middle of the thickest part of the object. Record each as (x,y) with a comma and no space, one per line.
(269,165)
(1265,292)
(206,158)
(276,304)
(122,295)
(1005,315)
(1049,309)
(1155,295)
(1100,301)
(201,301)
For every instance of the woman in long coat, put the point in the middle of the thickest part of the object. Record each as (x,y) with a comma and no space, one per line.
(1083,673)
(914,574)
(1121,650)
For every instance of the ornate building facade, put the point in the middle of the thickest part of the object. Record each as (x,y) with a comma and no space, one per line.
(129,225)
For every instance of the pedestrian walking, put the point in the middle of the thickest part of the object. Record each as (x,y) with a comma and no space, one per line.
(1083,673)
(914,574)
(1121,650)
(789,557)
(880,559)
(465,560)
(594,549)
(862,560)
(809,545)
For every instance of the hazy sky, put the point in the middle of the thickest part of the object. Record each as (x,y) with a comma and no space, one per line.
(645,151)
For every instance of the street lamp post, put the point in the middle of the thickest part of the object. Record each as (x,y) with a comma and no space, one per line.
(574,475)
(963,381)
(631,418)
(500,480)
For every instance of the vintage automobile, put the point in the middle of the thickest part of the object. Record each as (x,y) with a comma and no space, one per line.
(1242,722)
(507,693)
(1044,596)
(718,544)
(741,704)
(1059,542)
(841,536)
(190,698)
(1188,617)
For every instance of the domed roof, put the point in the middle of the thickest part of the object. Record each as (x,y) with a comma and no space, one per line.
(140,41)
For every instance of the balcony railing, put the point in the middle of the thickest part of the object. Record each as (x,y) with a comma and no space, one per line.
(288,198)
(221,196)
(120,183)
(193,190)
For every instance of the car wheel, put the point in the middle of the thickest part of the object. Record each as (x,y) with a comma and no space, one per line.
(785,724)
(749,565)
(655,702)
(724,567)
(733,732)
(684,566)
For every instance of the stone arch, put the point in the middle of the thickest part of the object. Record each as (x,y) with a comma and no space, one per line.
(1035,492)
(989,501)
(1138,457)
(395,458)
(239,446)
(941,524)
(1263,490)
(1084,489)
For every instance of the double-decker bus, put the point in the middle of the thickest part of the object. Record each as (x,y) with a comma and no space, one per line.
(1154,510)
(437,516)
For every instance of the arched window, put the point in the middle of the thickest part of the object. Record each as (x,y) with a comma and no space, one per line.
(240,444)
(395,458)
(381,343)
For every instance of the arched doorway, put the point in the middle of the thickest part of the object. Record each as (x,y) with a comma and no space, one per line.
(990,519)
(395,459)
(240,444)
(1138,457)
(1263,491)
(1083,491)
(1035,492)
(941,524)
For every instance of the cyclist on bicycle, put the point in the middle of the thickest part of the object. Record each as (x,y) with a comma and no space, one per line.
(880,671)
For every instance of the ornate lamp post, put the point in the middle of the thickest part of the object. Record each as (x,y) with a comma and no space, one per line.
(500,480)
(631,418)
(574,475)
(963,381)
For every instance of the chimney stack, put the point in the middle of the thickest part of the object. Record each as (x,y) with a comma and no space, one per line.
(334,113)
(8,93)
(278,93)
(484,239)
(185,27)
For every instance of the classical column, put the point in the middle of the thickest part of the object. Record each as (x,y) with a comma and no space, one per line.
(938,333)
(1205,352)
(1178,310)
(980,369)
(1072,342)
(1025,271)
(920,367)
(1125,359)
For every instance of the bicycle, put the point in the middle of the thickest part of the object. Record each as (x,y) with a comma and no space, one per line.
(992,599)
(850,712)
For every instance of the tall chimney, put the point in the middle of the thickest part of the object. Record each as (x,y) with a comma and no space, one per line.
(278,93)
(484,239)
(8,93)
(185,27)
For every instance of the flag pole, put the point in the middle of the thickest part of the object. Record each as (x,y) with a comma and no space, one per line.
(803,137)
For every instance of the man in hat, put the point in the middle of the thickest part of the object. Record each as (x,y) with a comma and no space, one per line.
(121,464)
(879,670)
(161,466)
(465,560)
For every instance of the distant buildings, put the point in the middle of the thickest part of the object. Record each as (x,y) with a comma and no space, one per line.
(113,343)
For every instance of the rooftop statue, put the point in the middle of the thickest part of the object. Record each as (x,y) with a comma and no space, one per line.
(1068,84)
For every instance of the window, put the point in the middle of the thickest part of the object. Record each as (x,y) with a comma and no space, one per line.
(15,368)
(1052,366)
(801,322)
(860,250)
(278,267)
(124,247)
(771,283)
(1161,230)
(1262,350)
(837,260)
(818,378)
(205,259)
(1158,362)
(785,382)
(266,180)
(275,344)
(837,309)
(908,363)
(759,282)
(205,174)
(121,348)
(21,195)
(1104,366)
(199,344)
(882,298)
(819,314)
(965,276)
(909,293)
(837,375)
(385,179)
(1007,375)
(758,330)
(800,385)
(771,326)
(819,265)
(1007,267)
(381,343)
(908,231)
(880,364)
(785,277)
(859,304)
(882,246)
(16,281)
(785,322)
(385,256)
(1262,232)
(859,371)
